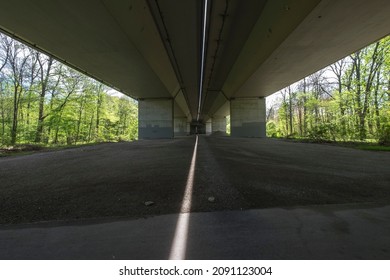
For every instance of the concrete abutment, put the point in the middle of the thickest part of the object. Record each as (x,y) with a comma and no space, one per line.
(247,117)
(218,124)
(181,126)
(155,119)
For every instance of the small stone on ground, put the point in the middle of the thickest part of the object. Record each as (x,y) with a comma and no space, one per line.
(149,203)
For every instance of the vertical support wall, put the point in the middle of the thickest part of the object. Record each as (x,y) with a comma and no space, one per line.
(209,127)
(247,117)
(155,118)
(219,124)
(180,126)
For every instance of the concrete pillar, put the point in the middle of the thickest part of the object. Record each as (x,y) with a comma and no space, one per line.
(155,118)
(180,128)
(219,124)
(197,127)
(247,117)
(209,127)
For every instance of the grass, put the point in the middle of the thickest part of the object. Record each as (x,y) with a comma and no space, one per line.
(368,145)
(28,149)
(11,154)
(371,147)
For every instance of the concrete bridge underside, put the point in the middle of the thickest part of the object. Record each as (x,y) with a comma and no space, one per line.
(152,50)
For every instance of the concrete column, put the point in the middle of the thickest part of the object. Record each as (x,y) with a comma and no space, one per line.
(247,117)
(180,126)
(219,124)
(155,118)
(209,127)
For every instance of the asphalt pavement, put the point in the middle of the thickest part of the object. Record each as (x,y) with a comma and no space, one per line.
(316,232)
(273,199)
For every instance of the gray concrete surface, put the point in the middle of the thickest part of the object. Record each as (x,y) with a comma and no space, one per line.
(155,118)
(273,200)
(318,232)
(248,117)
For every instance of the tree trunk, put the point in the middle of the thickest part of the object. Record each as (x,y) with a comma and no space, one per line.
(2,121)
(338,69)
(39,131)
(304,108)
(44,86)
(300,120)
(376,104)
(358,95)
(98,105)
(79,119)
(90,128)
(15,116)
(290,113)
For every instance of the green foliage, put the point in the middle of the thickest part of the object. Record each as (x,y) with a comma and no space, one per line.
(384,135)
(320,132)
(272,129)
(374,148)
(228,125)
(47,103)
(351,105)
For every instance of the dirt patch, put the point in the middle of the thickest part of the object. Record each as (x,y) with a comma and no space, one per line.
(20,150)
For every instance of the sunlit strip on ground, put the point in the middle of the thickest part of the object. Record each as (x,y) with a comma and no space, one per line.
(179,244)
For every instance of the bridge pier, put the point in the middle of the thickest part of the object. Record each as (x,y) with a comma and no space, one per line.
(155,118)
(218,124)
(181,127)
(247,117)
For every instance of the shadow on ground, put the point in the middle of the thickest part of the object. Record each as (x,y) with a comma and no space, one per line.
(114,180)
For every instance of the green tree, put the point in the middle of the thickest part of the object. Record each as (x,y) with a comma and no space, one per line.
(46,102)
(353,107)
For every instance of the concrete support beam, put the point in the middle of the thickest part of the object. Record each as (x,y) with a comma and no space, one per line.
(247,117)
(155,118)
(181,128)
(218,124)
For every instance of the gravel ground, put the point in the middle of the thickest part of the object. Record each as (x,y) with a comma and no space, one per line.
(115,180)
